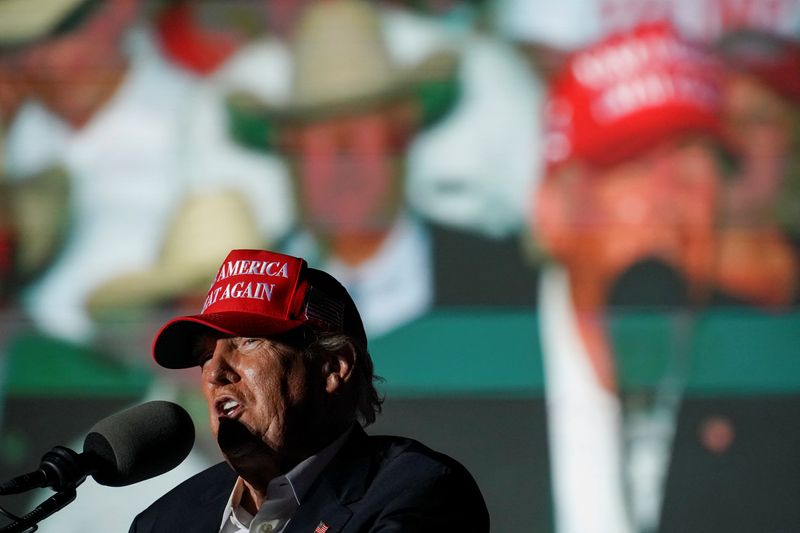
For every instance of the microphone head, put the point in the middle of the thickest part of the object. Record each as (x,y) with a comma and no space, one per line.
(138,443)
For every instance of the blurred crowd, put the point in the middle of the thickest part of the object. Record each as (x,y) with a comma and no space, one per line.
(579,159)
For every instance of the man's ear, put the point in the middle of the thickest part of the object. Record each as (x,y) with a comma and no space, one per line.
(339,368)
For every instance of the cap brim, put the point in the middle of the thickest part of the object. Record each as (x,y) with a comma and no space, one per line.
(638,140)
(174,343)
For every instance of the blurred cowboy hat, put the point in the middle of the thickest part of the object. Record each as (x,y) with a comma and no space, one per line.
(35,212)
(25,21)
(206,227)
(341,63)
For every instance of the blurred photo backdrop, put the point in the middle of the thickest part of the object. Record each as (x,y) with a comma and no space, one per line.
(571,228)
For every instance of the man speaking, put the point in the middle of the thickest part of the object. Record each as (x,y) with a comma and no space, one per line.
(289,384)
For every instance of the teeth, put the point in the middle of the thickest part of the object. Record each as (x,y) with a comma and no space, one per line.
(230,404)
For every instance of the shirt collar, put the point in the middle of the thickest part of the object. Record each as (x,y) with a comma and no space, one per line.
(296,482)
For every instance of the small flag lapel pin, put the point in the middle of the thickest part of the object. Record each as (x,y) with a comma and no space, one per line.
(322,527)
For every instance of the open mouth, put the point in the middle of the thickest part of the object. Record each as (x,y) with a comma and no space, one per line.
(228,407)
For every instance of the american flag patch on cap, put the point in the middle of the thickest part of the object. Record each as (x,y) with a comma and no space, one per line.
(324,311)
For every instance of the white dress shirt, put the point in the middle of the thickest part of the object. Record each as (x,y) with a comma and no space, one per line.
(284,494)
(595,455)
(584,422)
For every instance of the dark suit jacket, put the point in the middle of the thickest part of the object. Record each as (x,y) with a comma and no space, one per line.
(386,484)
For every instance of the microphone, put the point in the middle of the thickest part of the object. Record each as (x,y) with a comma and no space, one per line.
(138,443)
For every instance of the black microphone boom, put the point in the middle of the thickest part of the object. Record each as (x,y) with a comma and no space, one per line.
(61,468)
(130,446)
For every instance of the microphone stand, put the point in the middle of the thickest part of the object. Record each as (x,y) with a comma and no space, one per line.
(61,468)
(27,523)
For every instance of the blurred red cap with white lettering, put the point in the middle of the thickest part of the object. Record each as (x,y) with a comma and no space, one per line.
(259,293)
(626,93)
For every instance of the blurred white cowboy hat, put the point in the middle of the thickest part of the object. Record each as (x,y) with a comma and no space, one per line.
(341,63)
(206,227)
(23,21)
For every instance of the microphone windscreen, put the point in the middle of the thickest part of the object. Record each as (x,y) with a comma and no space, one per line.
(138,443)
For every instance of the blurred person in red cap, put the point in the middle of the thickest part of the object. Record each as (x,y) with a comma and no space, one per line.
(760,213)
(288,379)
(629,211)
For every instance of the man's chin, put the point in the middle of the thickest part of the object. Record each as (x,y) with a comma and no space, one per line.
(236,441)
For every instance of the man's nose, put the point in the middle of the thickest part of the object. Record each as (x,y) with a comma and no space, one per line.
(220,369)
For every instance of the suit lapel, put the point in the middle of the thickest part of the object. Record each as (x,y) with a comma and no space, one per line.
(323,508)
(341,483)
(206,513)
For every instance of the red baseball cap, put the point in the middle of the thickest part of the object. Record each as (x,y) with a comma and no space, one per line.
(258,293)
(622,95)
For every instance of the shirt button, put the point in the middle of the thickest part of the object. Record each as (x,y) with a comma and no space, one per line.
(264,528)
